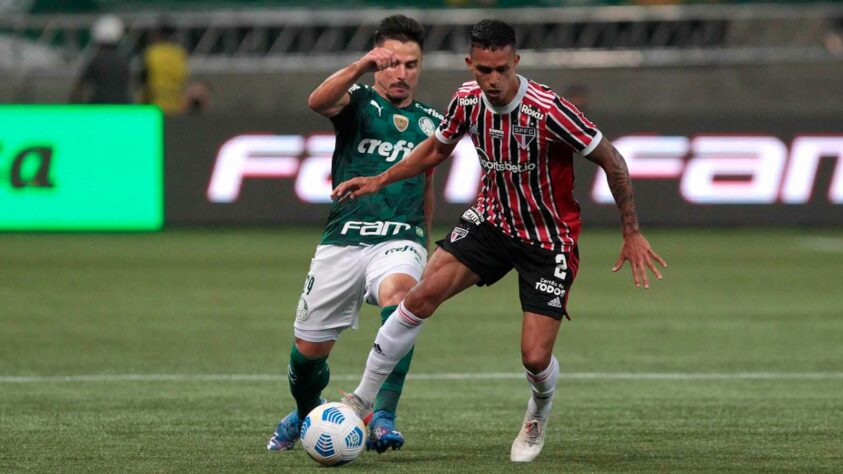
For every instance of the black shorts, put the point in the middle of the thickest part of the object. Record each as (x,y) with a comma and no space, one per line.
(544,277)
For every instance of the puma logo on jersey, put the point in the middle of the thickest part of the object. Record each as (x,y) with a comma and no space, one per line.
(387,150)
(380,109)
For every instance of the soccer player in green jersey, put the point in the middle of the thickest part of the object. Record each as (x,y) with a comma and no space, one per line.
(374,248)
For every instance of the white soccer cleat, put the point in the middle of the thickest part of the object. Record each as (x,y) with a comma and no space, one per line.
(528,444)
(357,404)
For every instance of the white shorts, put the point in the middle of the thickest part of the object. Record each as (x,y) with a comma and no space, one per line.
(341,277)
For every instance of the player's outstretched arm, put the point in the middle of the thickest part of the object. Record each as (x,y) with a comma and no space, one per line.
(428,154)
(635,248)
(332,95)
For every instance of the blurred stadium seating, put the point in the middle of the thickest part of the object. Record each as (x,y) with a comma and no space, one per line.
(41,52)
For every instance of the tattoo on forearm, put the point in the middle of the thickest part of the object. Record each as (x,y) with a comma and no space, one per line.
(619,183)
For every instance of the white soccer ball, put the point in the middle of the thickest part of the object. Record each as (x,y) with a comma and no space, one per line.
(332,434)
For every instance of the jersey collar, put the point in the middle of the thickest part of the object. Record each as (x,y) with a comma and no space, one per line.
(505,109)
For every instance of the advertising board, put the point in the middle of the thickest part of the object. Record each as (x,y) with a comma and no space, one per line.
(81,168)
(691,172)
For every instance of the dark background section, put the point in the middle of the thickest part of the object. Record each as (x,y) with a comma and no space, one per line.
(191,145)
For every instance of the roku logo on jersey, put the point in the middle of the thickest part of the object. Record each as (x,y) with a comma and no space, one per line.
(375,228)
(527,110)
(387,150)
(468,101)
(731,169)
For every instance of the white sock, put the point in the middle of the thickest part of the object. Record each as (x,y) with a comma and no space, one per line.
(394,340)
(543,384)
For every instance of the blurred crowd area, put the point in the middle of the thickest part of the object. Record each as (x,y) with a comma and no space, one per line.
(158,76)
(88,6)
(664,57)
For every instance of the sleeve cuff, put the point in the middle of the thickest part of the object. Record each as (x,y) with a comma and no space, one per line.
(594,142)
(443,139)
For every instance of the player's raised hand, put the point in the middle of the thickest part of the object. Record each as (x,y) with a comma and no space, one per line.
(356,187)
(637,250)
(379,59)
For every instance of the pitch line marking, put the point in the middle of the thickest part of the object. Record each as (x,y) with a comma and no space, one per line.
(821,244)
(435,376)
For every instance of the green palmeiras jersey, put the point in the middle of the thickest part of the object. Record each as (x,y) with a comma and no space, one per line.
(372,135)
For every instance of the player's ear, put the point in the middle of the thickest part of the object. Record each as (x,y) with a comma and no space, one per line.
(468,61)
(517,59)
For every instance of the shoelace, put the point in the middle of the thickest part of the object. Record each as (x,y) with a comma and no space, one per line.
(533,430)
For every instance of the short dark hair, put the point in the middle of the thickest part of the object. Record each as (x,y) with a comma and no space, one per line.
(492,34)
(401,28)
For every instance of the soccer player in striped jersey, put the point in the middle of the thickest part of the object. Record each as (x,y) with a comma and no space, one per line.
(525,218)
(373,248)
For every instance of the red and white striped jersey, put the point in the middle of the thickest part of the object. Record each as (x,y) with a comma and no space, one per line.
(526,150)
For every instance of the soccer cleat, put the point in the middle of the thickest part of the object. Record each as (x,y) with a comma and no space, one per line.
(528,444)
(382,433)
(287,432)
(360,407)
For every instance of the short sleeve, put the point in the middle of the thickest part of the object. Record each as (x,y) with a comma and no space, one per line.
(453,127)
(566,124)
(347,115)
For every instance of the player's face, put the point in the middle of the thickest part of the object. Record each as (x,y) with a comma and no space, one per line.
(494,71)
(398,84)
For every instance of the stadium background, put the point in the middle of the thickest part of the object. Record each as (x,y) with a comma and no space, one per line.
(165,350)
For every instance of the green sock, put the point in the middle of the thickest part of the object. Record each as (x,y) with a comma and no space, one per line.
(307,379)
(390,392)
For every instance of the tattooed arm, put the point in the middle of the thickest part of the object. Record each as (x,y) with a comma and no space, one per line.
(635,248)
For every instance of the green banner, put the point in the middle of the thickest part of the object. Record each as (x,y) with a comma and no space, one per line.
(81,168)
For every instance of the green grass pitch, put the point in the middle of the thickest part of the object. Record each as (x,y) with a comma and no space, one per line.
(167,353)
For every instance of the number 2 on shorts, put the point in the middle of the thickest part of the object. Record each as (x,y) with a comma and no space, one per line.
(561,266)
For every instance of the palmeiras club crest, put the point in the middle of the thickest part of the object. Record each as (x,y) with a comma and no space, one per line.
(426,125)
(458,233)
(401,122)
(524,136)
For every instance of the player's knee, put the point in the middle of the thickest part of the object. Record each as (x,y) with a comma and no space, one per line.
(421,302)
(392,290)
(535,361)
(314,350)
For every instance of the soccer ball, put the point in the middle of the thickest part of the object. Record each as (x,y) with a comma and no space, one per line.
(332,434)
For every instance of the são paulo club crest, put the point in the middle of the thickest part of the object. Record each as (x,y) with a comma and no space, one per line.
(524,136)
(458,233)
